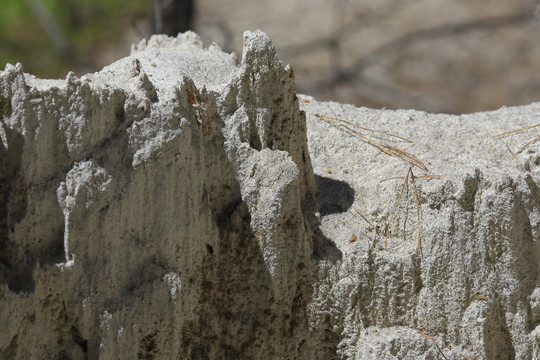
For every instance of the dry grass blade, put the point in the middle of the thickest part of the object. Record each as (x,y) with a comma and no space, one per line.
(527,144)
(362,216)
(359,192)
(402,154)
(428,176)
(394,212)
(417,206)
(436,342)
(333,119)
(394,178)
(515,131)
(511,152)
(417,199)
(433,339)
(385,148)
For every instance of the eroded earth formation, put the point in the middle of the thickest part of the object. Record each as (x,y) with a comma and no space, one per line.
(168,207)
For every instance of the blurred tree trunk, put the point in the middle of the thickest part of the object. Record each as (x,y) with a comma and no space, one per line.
(49,23)
(172,16)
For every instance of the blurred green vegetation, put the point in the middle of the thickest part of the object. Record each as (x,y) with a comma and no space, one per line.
(92,28)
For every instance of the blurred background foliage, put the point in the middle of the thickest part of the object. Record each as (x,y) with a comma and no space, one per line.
(90,33)
(454,56)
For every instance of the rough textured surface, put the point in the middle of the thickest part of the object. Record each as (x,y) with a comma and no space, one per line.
(475,283)
(168,207)
(155,209)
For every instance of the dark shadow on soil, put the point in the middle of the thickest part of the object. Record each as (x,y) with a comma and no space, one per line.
(333,196)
